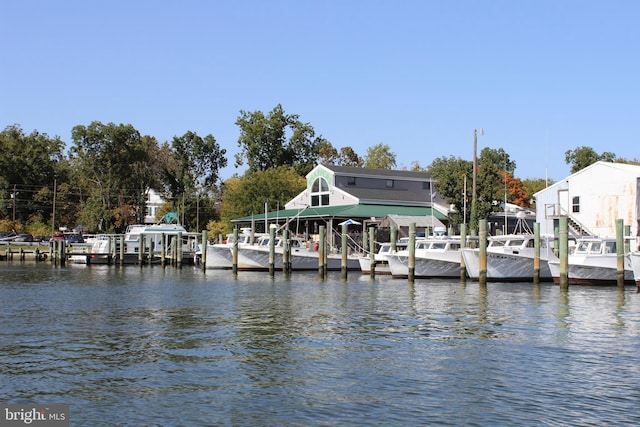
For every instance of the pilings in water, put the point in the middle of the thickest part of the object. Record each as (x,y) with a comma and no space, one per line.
(344,248)
(620,252)
(563,252)
(286,252)
(463,244)
(482,244)
(272,251)
(234,266)
(372,252)
(322,252)
(536,253)
(412,253)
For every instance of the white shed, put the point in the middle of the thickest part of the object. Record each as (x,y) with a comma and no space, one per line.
(592,199)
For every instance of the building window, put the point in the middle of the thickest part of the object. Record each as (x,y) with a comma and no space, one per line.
(320,192)
(426,185)
(575,205)
(389,183)
(351,181)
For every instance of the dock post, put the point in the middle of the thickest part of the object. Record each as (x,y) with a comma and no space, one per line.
(482,263)
(121,255)
(286,252)
(179,252)
(203,256)
(234,267)
(463,244)
(141,250)
(272,251)
(412,252)
(394,238)
(163,249)
(63,253)
(321,250)
(536,252)
(372,253)
(344,249)
(563,250)
(620,252)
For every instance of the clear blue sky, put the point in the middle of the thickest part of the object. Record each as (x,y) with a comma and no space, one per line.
(540,76)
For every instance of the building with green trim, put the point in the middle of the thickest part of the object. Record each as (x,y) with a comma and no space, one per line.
(335,194)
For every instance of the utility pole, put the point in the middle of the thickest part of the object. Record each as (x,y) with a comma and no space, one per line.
(474,199)
(53,215)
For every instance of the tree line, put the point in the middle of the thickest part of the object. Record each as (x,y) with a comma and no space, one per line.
(102,179)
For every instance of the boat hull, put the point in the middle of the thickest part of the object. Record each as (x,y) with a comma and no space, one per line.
(257,258)
(432,265)
(593,270)
(504,266)
(635,267)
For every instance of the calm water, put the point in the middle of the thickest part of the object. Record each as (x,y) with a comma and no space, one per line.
(125,346)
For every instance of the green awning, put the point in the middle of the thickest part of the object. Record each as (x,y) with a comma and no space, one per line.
(344,212)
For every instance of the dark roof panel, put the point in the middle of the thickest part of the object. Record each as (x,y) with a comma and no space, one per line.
(355,171)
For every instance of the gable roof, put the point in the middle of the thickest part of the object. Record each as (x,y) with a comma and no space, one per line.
(626,167)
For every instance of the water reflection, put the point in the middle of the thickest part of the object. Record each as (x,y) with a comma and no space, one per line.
(302,351)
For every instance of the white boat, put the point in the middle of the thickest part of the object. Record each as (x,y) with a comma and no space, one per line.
(380,258)
(436,256)
(593,261)
(635,266)
(256,257)
(220,255)
(159,241)
(510,257)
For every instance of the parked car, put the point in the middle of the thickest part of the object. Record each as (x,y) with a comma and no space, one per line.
(7,235)
(24,237)
(57,236)
(74,238)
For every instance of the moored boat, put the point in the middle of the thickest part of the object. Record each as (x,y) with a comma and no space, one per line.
(160,241)
(510,257)
(594,261)
(635,266)
(220,255)
(380,258)
(436,256)
(303,256)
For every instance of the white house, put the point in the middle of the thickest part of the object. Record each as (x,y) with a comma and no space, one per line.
(154,201)
(592,199)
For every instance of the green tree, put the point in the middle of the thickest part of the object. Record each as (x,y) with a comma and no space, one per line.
(490,183)
(248,194)
(448,175)
(115,165)
(380,156)
(27,166)
(533,185)
(581,157)
(348,157)
(277,139)
(327,153)
(451,174)
(191,172)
